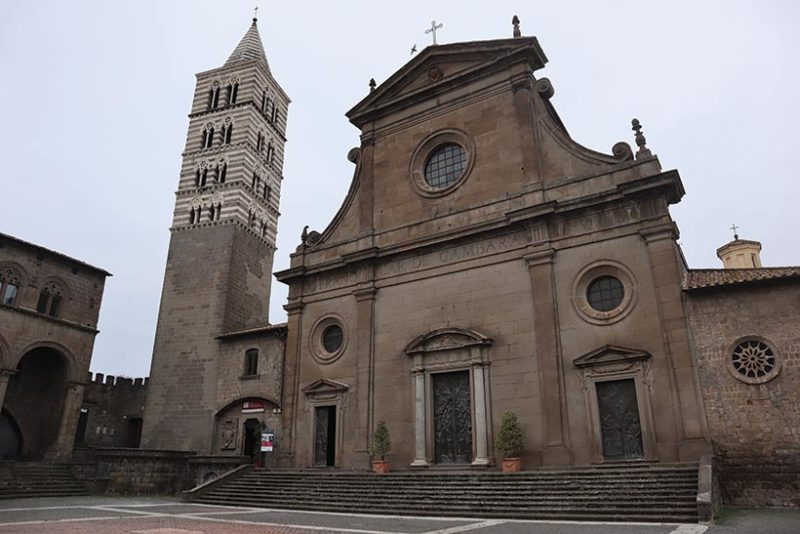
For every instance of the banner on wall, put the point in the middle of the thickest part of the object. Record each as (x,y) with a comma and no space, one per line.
(267,441)
(253,406)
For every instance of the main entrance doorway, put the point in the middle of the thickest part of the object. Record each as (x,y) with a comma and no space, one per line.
(325,436)
(452,418)
(619,420)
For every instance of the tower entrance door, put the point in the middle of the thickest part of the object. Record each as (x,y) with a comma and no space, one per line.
(619,420)
(252,440)
(325,436)
(452,418)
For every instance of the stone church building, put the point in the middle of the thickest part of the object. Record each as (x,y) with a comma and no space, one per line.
(483,261)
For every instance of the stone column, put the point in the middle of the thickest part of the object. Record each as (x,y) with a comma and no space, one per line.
(5,376)
(288,444)
(420,456)
(481,427)
(667,280)
(365,371)
(61,450)
(548,351)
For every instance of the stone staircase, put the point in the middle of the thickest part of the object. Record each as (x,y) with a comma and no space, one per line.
(29,479)
(650,493)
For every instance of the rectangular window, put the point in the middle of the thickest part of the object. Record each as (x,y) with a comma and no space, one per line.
(9,295)
(251,362)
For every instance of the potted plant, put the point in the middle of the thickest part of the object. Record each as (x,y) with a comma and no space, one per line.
(510,443)
(381,445)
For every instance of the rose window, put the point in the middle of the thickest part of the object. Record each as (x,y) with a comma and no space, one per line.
(754,362)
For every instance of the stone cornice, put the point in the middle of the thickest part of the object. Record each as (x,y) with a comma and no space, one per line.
(48,318)
(223,222)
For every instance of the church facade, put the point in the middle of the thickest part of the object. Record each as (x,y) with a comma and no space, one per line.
(482,262)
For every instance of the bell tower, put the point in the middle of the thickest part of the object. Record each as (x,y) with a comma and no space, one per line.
(223,233)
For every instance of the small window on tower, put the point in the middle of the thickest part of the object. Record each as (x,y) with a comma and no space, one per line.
(235,92)
(191,216)
(251,362)
(228,133)
(223,170)
(211,211)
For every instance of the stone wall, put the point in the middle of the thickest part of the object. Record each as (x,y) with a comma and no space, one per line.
(147,472)
(113,408)
(755,428)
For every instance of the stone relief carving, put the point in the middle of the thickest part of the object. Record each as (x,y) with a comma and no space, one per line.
(228,434)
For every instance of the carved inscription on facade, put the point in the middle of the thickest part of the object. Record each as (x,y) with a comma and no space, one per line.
(455,254)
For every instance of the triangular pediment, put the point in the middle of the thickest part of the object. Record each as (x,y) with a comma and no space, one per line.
(325,387)
(610,354)
(439,67)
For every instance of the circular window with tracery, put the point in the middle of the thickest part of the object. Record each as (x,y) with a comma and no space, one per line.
(445,166)
(605,293)
(754,361)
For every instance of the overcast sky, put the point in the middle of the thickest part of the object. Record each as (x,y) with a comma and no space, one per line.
(95,96)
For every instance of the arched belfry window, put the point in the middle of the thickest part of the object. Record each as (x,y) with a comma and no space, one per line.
(227,130)
(10,282)
(264,102)
(191,216)
(208,136)
(270,152)
(260,142)
(222,171)
(232,91)
(50,299)
(213,96)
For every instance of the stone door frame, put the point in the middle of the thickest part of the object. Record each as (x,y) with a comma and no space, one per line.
(442,351)
(611,363)
(324,393)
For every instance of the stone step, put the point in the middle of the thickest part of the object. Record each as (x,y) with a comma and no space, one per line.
(39,480)
(637,494)
(639,513)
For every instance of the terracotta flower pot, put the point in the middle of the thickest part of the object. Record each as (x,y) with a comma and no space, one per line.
(512,465)
(380,466)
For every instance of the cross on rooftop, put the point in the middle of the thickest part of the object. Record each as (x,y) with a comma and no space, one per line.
(433,29)
(735,233)
(255,13)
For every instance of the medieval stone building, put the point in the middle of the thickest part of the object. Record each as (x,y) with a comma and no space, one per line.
(49,305)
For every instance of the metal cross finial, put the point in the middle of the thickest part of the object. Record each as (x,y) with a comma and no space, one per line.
(255,14)
(433,29)
(735,233)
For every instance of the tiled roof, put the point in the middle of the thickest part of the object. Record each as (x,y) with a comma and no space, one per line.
(701,278)
(256,330)
(249,47)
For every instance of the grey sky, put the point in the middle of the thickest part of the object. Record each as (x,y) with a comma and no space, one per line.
(95,94)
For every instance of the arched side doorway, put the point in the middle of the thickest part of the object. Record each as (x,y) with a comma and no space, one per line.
(10,437)
(238,427)
(36,395)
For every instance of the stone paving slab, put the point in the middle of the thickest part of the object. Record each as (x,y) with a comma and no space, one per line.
(176,508)
(408,525)
(50,514)
(151,525)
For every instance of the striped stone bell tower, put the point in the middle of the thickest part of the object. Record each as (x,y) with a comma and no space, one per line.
(222,241)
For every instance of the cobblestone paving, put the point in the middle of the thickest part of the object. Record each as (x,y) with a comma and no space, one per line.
(104,515)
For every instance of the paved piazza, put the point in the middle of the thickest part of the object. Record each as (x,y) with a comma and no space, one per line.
(128,515)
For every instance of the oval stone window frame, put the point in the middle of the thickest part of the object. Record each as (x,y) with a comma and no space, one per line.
(425,150)
(738,375)
(317,345)
(592,272)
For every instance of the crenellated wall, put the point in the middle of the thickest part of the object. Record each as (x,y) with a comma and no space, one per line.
(113,409)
